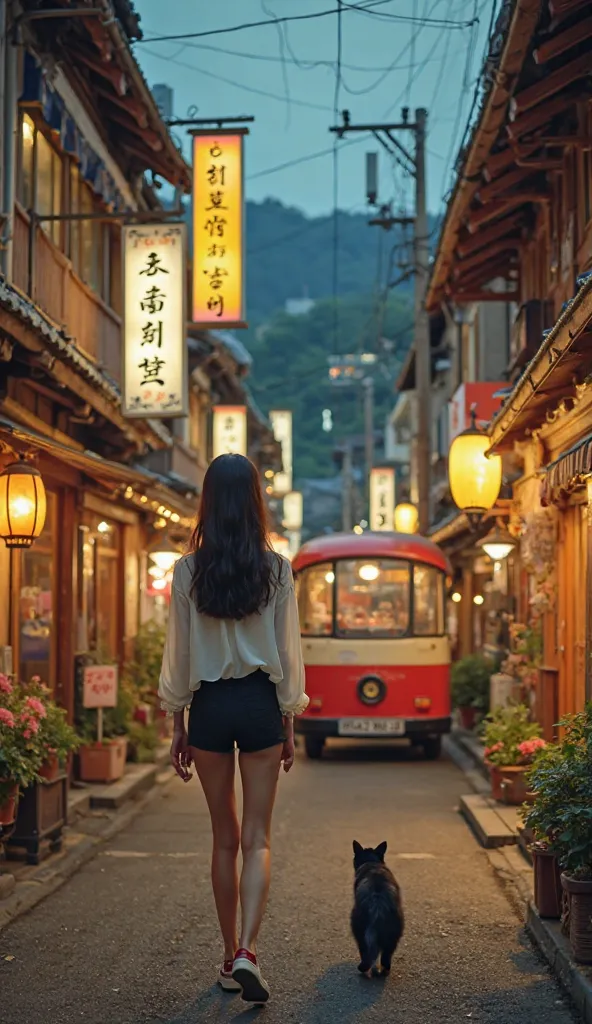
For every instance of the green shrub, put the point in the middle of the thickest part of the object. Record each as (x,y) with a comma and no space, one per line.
(469,679)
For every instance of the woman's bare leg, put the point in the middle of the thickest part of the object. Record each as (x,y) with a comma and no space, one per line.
(216,774)
(259,774)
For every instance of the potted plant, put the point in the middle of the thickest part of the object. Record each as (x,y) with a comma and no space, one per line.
(102,753)
(42,808)
(512,742)
(141,674)
(21,754)
(469,680)
(549,782)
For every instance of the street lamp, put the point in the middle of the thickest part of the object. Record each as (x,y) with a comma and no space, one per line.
(498,544)
(164,554)
(475,478)
(406,517)
(23,504)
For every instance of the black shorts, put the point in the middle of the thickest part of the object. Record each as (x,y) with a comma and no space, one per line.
(244,712)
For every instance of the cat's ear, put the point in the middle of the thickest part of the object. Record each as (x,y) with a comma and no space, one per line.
(357,848)
(381,850)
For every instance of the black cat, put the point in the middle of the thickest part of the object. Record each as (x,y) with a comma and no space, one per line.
(377,920)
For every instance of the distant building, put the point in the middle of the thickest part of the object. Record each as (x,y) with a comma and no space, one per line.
(299,307)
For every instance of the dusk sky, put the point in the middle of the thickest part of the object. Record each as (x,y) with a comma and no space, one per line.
(386,62)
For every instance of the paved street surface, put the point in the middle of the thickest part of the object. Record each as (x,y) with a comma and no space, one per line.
(132,938)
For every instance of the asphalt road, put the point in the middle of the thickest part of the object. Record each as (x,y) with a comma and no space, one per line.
(132,938)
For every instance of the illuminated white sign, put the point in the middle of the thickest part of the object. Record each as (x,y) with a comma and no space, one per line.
(382,498)
(293,511)
(281,421)
(155,380)
(230,430)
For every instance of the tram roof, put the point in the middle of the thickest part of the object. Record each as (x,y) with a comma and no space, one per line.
(370,545)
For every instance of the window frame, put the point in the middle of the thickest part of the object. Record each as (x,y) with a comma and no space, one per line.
(410,633)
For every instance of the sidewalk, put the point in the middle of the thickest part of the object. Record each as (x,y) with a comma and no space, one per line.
(96,813)
(498,829)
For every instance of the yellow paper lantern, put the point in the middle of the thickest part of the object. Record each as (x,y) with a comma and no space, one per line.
(406,518)
(475,479)
(23,504)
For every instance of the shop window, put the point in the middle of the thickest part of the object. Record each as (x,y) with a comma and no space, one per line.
(36,608)
(99,587)
(373,598)
(587,185)
(26,178)
(40,176)
(314,589)
(428,601)
(90,249)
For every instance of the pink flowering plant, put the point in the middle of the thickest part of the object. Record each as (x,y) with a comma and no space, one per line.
(57,738)
(511,738)
(21,753)
(524,657)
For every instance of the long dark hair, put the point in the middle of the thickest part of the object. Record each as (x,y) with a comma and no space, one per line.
(233,559)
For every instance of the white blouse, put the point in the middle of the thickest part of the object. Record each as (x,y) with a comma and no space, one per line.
(200,648)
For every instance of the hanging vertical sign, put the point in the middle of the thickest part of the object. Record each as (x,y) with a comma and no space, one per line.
(230,430)
(218,228)
(382,498)
(155,376)
(281,422)
(293,511)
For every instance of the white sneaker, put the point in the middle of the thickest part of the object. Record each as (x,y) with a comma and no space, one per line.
(246,972)
(225,979)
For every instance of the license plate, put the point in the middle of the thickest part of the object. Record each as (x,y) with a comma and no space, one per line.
(371,727)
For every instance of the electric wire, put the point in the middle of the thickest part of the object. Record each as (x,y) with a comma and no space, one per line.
(336,177)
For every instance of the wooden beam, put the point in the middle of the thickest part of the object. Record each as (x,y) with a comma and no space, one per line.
(485,296)
(551,84)
(499,206)
(148,137)
(502,184)
(484,255)
(540,116)
(489,235)
(114,75)
(100,39)
(561,9)
(500,162)
(485,273)
(559,44)
(129,103)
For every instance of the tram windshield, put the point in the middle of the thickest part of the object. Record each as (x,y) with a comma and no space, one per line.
(371,598)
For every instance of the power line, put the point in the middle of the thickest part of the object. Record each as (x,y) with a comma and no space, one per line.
(301,159)
(259,24)
(239,85)
(336,176)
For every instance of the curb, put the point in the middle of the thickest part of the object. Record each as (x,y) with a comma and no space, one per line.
(47,880)
(464,760)
(556,950)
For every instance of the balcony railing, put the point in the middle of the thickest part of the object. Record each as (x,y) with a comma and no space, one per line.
(57,290)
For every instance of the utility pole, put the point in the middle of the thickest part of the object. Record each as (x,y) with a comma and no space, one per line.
(423,368)
(346,507)
(368,385)
(414,164)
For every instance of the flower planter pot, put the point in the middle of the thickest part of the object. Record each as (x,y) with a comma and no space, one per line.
(508,784)
(9,804)
(580,917)
(50,769)
(468,717)
(103,762)
(42,814)
(548,893)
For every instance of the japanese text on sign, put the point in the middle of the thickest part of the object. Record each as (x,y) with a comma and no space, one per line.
(155,348)
(230,430)
(218,233)
(382,498)
(100,686)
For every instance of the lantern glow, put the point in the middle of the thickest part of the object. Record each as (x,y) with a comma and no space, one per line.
(23,504)
(475,478)
(406,517)
(164,554)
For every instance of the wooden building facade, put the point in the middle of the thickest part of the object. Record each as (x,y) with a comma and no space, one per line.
(518,228)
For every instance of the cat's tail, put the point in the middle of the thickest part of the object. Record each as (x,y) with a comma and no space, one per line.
(372,947)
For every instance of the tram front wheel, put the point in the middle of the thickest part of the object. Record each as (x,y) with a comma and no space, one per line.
(432,748)
(314,747)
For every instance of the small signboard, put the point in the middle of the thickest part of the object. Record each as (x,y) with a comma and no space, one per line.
(100,686)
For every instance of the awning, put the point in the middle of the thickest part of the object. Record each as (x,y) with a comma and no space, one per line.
(143,483)
(568,472)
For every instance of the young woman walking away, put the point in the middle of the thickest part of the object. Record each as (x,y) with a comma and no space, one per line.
(233,657)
